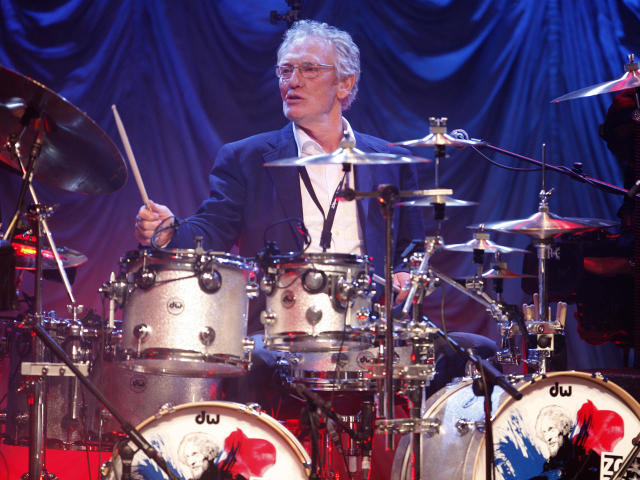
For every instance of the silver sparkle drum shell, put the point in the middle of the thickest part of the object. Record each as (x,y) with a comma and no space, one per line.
(298,318)
(185,313)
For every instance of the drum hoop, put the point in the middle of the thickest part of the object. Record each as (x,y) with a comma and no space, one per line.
(180,258)
(285,434)
(321,258)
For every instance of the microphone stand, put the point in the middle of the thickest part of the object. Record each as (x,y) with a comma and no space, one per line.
(574,173)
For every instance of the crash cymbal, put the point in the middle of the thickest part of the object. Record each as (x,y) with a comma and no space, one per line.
(347,153)
(630,79)
(481,241)
(544,225)
(76,154)
(436,196)
(25,248)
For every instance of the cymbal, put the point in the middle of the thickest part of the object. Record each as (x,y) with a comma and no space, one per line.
(481,241)
(630,79)
(438,139)
(436,196)
(76,154)
(347,153)
(503,272)
(25,248)
(544,225)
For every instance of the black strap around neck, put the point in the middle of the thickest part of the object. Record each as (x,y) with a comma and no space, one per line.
(325,236)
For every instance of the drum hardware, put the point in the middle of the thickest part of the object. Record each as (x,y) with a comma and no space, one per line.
(177,309)
(129,430)
(40,123)
(317,302)
(357,430)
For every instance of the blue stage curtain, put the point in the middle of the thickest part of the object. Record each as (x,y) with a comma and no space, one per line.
(188,76)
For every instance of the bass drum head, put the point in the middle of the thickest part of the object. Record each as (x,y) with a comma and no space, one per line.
(567,425)
(210,440)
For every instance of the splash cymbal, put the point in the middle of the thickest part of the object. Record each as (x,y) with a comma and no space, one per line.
(436,196)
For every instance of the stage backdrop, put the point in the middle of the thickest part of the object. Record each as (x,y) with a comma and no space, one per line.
(188,76)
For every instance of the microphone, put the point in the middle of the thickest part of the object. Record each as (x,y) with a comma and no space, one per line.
(633,190)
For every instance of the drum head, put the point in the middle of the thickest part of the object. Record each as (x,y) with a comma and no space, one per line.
(217,440)
(568,425)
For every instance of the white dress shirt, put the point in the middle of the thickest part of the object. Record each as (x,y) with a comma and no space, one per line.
(346,236)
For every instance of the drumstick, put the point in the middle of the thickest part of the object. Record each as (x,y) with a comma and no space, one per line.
(378,279)
(132,159)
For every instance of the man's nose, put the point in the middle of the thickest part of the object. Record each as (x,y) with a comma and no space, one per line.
(296,78)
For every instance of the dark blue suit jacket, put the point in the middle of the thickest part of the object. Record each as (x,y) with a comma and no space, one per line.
(246,198)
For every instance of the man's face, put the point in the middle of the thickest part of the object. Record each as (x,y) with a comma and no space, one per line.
(309,101)
(195,460)
(552,435)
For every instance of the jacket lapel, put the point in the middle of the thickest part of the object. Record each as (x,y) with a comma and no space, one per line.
(285,179)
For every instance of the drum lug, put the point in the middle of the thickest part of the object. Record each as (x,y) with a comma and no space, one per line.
(254,408)
(313,315)
(267,318)
(248,344)
(165,409)
(252,290)
(207,336)
(106,469)
(141,332)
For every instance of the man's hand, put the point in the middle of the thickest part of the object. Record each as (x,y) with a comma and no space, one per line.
(148,220)
(402,283)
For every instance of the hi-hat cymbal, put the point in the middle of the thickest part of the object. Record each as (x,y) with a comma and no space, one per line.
(436,196)
(630,79)
(503,273)
(347,153)
(481,241)
(25,248)
(438,139)
(544,225)
(76,154)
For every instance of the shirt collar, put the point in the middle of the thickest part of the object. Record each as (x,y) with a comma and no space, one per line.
(307,146)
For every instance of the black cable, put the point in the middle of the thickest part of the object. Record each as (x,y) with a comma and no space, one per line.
(161,229)
(500,165)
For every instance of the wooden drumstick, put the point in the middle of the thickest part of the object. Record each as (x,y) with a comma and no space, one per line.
(132,159)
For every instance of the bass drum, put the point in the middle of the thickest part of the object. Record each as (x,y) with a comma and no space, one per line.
(216,440)
(567,425)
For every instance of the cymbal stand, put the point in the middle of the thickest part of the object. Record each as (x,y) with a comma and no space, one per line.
(37,215)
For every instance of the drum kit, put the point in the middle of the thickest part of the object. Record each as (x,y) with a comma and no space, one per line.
(184,330)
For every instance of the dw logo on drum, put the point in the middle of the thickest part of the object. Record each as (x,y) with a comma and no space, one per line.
(175,306)
(205,417)
(556,390)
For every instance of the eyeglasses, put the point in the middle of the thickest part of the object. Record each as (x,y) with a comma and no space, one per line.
(307,70)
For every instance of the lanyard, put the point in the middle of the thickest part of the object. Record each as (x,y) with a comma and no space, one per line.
(325,236)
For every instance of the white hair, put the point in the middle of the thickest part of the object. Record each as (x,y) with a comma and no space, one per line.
(347,52)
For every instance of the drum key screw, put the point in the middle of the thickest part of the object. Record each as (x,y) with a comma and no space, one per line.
(207,336)
(313,315)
